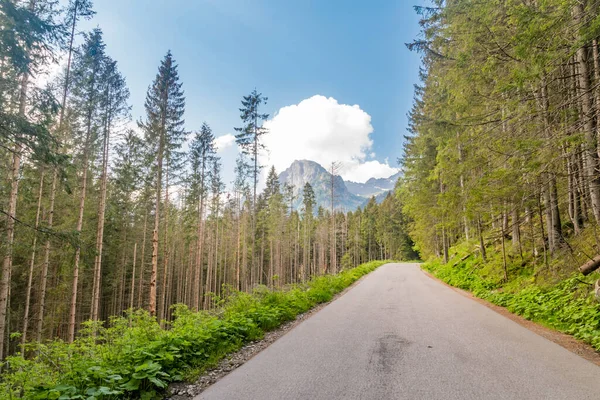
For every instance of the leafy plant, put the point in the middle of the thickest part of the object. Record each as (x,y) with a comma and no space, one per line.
(133,357)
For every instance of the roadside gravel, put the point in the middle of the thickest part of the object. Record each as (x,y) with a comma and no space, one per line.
(186,390)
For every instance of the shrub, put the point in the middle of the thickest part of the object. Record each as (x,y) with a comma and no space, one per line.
(135,358)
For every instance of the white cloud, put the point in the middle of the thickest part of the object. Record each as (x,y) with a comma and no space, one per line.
(224,142)
(322,130)
(362,172)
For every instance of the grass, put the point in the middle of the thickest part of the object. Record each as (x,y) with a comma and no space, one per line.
(133,357)
(559,299)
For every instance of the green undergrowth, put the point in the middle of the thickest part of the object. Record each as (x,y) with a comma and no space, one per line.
(135,358)
(559,298)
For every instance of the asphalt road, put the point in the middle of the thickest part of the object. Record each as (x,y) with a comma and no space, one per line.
(399,334)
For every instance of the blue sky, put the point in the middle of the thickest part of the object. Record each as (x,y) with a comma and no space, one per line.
(351,51)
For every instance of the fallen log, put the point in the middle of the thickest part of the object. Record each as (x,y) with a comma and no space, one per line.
(590,266)
(461,260)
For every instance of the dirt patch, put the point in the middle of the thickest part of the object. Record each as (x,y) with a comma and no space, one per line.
(578,347)
(184,391)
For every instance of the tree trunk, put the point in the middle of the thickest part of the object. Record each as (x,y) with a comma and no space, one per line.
(44,275)
(152,300)
(142,263)
(209,273)
(596,58)
(132,294)
(198,292)
(163,302)
(590,145)
(516,231)
(445,245)
(82,197)
(47,246)
(504,258)
(590,266)
(481,242)
(11,215)
(100,229)
(32,260)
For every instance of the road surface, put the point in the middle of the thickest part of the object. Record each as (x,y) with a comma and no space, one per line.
(399,334)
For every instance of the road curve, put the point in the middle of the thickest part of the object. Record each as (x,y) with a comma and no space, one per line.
(399,334)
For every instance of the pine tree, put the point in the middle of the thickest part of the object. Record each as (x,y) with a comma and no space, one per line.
(27,43)
(88,71)
(128,181)
(202,156)
(77,9)
(308,205)
(249,139)
(164,132)
(113,109)
(216,189)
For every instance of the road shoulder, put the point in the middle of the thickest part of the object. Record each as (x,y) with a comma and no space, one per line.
(187,390)
(562,339)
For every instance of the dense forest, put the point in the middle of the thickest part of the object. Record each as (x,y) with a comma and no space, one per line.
(132,263)
(98,218)
(504,144)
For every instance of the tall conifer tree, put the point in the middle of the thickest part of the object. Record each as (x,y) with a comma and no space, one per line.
(164,132)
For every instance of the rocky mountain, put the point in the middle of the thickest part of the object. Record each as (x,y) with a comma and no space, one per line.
(348,195)
(303,171)
(373,187)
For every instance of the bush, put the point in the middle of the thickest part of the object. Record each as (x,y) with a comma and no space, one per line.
(135,358)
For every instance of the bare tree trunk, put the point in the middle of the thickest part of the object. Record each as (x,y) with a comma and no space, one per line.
(132,294)
(596,58)
(245,257)
(462,187)
(481,242)
(543,234)
(238,284)
(216,267)
(11,215)
(188,281)
(47,246)
(209,272)
(556,222)
(44,274)
(548,214)
(504,258)
(573,195)
(120,303)
(142,263)
(163,294)
(198,292)
(445,244)
(100,229)
(516,231)
(152,301)
(590,145)
(550,192)
(32,260)
(82,197)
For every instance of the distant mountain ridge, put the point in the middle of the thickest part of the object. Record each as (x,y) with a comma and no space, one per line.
(373,187)
(303,171)
(348,195)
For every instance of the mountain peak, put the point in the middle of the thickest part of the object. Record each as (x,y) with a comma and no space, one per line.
(348,195)
(305,164)
(307,171)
